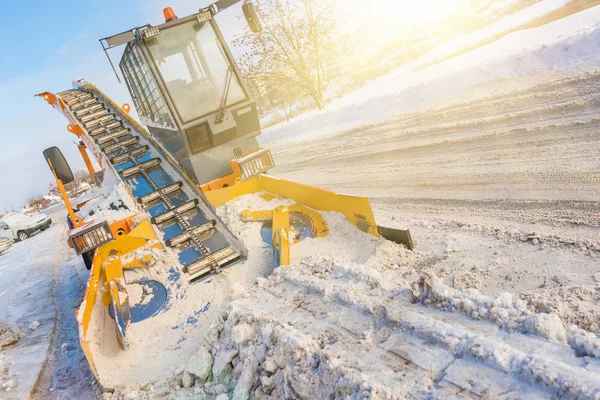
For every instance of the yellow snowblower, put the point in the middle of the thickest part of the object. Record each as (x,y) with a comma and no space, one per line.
(151,236)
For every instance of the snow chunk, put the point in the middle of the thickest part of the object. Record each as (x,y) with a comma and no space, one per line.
(200,364)
(243,333)
(583,342)
(222,361)
(219,389)
(34,325)
(405,295)
(244,384)
(130,395)
(236,291)
(187,380)
(548,326)
(504,300)
(7,386)
(9,334)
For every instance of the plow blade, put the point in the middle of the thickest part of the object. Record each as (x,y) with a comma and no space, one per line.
(356,209)
(396,235)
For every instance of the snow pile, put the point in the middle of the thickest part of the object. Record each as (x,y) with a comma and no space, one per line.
(112,205)
(569,303)
(8,385)
(503,310)
(585,343)
(564,379)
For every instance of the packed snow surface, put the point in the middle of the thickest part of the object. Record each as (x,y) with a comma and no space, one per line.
(491,159)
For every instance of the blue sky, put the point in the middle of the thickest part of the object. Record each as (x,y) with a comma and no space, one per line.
(47,44)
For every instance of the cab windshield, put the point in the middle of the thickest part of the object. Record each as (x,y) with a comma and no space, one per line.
(195,69)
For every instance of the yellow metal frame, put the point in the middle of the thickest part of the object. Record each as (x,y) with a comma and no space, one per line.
(281,227)
(320,228)
(108,267)
(86,158)
(281,234)
(75,219)
(356,209)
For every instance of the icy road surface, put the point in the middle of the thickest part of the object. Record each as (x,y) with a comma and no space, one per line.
(41,284)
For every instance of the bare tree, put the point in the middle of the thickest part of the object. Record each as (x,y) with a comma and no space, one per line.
(36,202)
(74,188)
(286,97)
(53,189)
(298,40)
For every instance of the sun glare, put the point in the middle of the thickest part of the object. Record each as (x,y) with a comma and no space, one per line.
(402,11)
(375,23)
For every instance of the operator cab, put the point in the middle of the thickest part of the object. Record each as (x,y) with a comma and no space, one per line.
(189,92)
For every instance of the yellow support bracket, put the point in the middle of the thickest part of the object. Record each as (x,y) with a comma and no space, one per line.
(256,216)
(281,232)
(356,209)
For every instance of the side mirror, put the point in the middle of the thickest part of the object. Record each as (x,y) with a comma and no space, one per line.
(58,164)
(251,17)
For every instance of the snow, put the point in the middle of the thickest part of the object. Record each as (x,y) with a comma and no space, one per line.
(316,327)
(236,291)
(493,302)
(490,32)
(563,44)
(200,364)
(26,285)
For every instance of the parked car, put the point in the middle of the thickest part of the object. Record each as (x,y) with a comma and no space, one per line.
(5,243)
(17,226)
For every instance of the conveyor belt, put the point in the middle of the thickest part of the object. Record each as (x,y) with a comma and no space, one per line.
(187,228)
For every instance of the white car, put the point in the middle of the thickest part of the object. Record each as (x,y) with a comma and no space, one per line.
(5,244)
(17,226)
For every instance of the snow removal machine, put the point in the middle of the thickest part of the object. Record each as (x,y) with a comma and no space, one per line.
(162,261)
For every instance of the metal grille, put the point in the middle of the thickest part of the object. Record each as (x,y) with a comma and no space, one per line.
(146,96)
(91,238)
(256,163)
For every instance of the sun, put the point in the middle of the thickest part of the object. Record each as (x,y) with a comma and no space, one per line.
(402,12)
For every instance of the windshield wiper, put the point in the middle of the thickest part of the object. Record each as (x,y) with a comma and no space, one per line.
(221,113)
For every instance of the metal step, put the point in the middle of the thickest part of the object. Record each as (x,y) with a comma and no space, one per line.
(89,109)
(166,191)
(111,135)
(172,213)
(136,169)
(74,96)
(77,106)
(97,121)
(187,235)
(202,249)
(138,151)
(110,147)
(105,128)
(95,115)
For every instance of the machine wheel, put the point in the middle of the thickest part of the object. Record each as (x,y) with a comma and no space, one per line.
(88,258)
(22,235)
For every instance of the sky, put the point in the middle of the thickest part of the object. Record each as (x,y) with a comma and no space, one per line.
(45,46)
(48,44)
